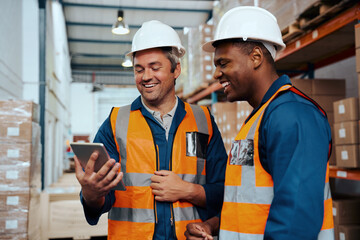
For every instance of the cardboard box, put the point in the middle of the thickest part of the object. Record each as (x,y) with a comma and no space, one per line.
(304,85)
(328,87)
(346,211)
(15,153)
(244,109)
(19,221)
(346,133)
(349,232)
(326,101)
(13,222)
(16,131)
(321,86)
(332,159)
(15,177)
(330,117)
(16,236)
(207,30)
(357,53)
(346,110)
(357,35)
(336,232)
(19,109)
(347,156)
(14,200)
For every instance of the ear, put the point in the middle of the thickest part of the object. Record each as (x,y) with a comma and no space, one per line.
(257,57)
(177,70)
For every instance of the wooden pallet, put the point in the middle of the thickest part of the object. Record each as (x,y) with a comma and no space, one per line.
(290,32)
(63,217)
(321,11)
(62,212)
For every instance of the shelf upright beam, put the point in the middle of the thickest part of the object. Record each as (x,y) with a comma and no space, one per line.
(212,88)
(344,18)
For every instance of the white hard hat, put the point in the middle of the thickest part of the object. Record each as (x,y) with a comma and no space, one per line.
(154,34)
(250,24)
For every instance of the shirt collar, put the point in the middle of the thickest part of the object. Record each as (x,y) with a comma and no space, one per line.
(171,113)
(281,81)
(138,104)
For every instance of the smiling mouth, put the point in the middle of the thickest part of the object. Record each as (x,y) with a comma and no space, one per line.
(149,85)
(225,84)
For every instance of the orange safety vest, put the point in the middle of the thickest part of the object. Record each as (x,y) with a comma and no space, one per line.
(249,188)
(133,215)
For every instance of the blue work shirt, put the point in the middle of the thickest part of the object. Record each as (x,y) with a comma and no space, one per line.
(294,142)
(215,168)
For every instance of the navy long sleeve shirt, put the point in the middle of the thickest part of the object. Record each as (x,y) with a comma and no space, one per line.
(294,142)
(215,168)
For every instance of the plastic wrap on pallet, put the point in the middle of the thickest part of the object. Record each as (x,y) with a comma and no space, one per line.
(194,61)
(200,64)
(19,110)
(180,81)
(13,222)
(15,236)
(21,163)
(20,170)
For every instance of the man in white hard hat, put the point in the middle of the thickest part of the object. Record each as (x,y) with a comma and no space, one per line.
(276,182)
(168,153)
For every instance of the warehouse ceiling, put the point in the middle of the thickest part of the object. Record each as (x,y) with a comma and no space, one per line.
(97,54)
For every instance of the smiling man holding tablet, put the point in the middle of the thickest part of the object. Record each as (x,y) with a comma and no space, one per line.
(169,153)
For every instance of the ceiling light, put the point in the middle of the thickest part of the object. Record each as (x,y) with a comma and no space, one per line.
(127,62)
(119,27)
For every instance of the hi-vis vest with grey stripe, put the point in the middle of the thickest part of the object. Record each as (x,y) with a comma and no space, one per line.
(133,215)
(249,188)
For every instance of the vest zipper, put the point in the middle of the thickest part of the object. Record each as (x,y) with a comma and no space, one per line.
(157,169)
(172,218)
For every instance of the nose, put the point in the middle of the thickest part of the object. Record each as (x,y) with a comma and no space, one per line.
(217,74)
(147,74)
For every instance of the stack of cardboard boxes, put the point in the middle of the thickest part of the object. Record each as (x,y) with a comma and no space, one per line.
(357,49)
(346,212)
(20,170)
(324,92)
(200,63)
(229,118)
(346,132)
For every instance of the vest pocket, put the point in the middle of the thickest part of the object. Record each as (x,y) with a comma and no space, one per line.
(242,152)
(196,144)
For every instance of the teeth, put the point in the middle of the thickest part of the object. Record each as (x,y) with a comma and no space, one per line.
(225,84)
(149,85)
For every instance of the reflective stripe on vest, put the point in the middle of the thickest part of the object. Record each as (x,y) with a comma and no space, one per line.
(249,191)
(133,214)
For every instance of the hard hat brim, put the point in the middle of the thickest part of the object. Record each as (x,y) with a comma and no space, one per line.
(181,51)
(208,46)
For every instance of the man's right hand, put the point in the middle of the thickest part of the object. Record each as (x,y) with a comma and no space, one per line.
(203,230)
(95,185)
(198,231)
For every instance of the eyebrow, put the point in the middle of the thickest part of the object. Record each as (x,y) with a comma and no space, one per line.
(151,64)
(217,61)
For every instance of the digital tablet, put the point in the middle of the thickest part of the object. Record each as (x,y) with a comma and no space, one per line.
(83,152)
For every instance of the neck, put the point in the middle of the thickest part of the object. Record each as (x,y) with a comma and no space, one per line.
(163,108)
(262,87)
